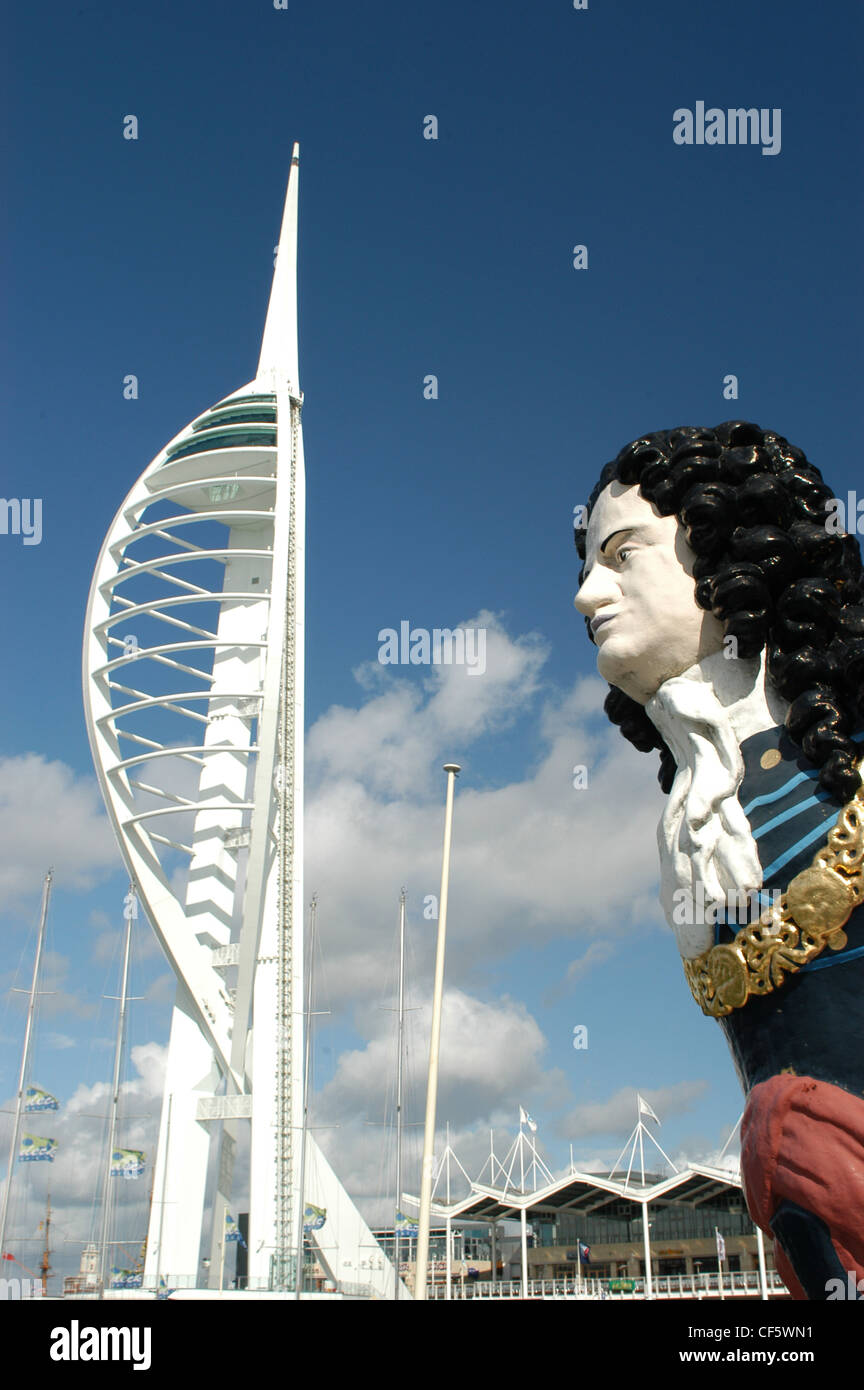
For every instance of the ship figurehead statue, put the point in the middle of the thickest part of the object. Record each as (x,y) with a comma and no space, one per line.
(727,608)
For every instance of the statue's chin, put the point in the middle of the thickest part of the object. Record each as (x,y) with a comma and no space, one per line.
(640,685)
(642,679)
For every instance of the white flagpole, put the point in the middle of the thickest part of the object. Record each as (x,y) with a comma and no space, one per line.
(449,1232)
(400,1053)
(523,1216)
(422,1264)
(649,1285)
(763,1274)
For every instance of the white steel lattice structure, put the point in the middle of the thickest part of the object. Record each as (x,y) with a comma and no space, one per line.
(193,680)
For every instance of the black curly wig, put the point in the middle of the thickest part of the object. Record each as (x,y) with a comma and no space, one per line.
(754,512)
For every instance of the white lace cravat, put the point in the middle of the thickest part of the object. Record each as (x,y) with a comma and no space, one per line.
(706,845)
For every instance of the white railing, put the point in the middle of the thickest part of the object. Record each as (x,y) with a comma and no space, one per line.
(512,1288)
(744,1284)
(739,1284)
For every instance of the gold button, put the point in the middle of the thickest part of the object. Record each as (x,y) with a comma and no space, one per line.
(770,758)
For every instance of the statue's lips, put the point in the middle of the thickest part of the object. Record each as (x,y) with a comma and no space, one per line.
(600,621)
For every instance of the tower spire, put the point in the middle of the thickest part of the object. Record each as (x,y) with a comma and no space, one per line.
(279,352)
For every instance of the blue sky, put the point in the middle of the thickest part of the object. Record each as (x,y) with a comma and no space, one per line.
(451,257)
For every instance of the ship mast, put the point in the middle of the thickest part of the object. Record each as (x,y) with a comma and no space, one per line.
(45,1267)
(130,912)
(25,1057)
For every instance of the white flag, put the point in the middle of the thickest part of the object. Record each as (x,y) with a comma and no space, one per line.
(721,1245)
(645,1109)
(525,1119)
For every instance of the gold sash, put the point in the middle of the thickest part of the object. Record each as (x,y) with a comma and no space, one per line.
(810,915)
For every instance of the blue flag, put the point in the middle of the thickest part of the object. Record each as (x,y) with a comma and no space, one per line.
(232,1230)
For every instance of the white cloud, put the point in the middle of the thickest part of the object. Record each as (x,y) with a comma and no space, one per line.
(597,954)
(388,745)
(617,1114)
(49,815)
(492,1059)
(490,1052)
(163,989)
(531,858)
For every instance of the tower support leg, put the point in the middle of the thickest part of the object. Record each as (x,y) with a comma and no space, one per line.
(180,1179)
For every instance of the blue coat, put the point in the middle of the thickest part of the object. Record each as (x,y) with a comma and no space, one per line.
(813,1024)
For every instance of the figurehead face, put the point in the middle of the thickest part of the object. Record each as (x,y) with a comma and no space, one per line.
(728,540)
(638,594)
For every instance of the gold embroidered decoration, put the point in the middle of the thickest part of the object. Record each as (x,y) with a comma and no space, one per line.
(810,915)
